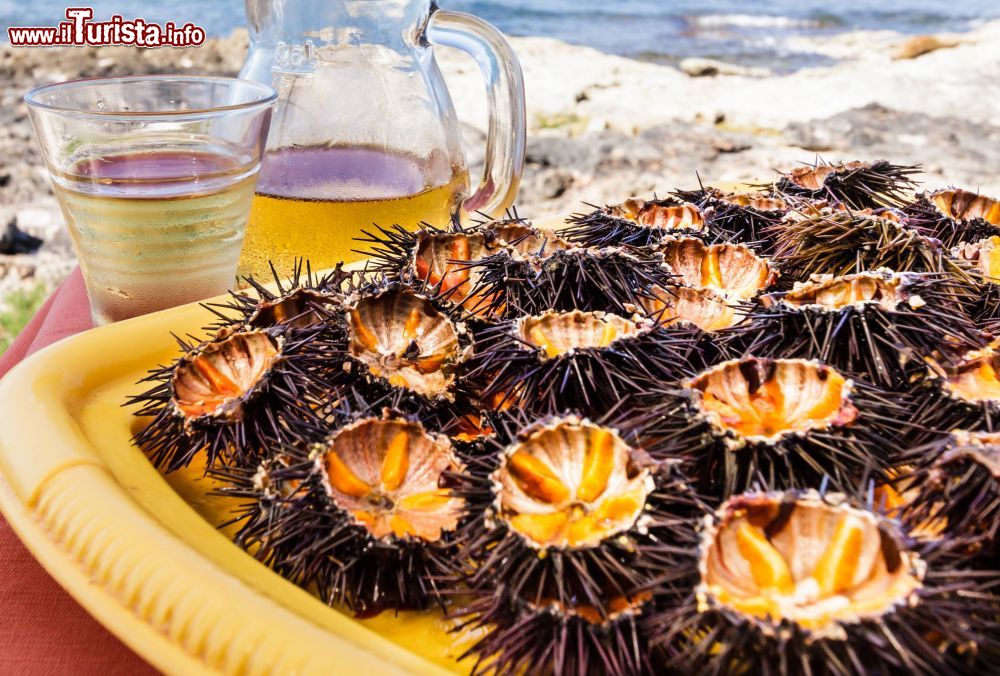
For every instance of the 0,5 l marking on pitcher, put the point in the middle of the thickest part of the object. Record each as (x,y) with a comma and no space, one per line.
(295,56)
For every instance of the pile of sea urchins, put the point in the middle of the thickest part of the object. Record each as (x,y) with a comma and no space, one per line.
(708,433)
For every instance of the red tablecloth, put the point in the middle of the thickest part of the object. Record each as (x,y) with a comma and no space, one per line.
(42,629)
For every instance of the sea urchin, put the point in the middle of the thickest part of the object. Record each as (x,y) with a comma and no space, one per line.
(367,517)
(803,583)
(878,326)
(779,423)
(232,397)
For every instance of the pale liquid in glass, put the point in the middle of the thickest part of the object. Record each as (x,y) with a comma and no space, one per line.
(313,202)
(156,229)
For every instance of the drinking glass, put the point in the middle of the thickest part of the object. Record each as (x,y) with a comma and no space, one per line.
(155,176)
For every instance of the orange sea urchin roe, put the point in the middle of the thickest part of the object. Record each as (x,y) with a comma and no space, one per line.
(976,379)
(671,217)
(222,373)
(732,270)
(442,260)
(556,333)
(771,398)
(387,473)
(401,337)
(570,485)
(841,292)
(811,562)
(964,205)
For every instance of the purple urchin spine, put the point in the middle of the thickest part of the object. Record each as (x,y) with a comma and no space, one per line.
(882,340)
(859,185)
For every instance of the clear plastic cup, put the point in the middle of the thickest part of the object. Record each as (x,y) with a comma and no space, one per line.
(155,176)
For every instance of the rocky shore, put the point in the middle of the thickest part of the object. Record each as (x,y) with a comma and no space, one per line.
(604,127)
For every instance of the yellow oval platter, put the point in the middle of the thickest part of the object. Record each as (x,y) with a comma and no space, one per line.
(141,552)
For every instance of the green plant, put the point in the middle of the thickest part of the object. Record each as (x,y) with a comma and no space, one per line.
(16,310)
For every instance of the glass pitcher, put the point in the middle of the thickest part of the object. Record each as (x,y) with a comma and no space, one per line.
(364,131)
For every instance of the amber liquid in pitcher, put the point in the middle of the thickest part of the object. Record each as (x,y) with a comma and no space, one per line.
(314,202)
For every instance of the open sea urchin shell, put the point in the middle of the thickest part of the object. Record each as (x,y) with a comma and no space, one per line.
(859,185)
(231,397)
(984,256)
(402,339)
(954,486)
(392,252)
(781,423)
(584,361)
(954,216)
(963,394)
(635,222)
(571,514)
(387,475)
(703,308)
(441,262)
(303,301)
(733,271)
(975,379)
(877,326)
(699,316)
(808,562)
(369,520)
(219,378)
(803,583)
(569,488)
(758,401)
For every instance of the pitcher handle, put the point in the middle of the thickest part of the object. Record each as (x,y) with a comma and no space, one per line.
(505,141)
